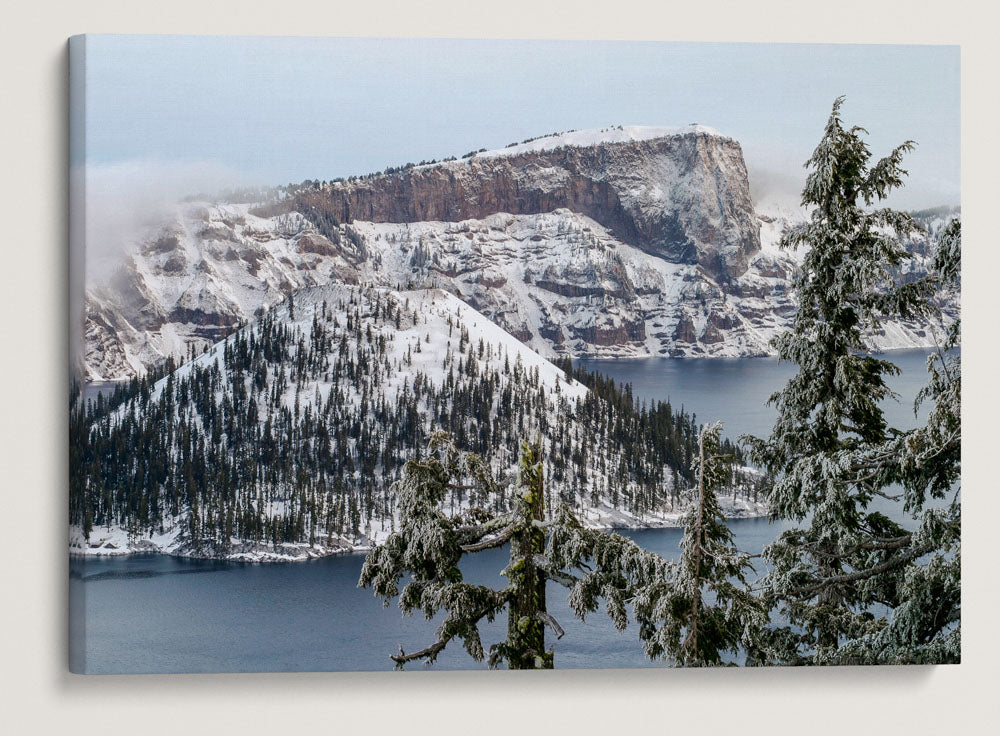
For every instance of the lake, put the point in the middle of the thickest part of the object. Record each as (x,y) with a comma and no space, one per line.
(735,389)
(154,613)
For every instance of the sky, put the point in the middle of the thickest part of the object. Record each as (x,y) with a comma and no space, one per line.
(187,114)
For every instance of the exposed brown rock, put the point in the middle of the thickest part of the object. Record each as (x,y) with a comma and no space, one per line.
(316,243)
(620,335)
(684,332)
(493,282)
(574,290)
(164,244)
(203,318)
(175,264)
(685,198)
(722,321)
(711,335)
(553,333)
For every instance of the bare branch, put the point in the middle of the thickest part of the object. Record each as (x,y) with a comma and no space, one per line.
(556,576)
(498,541)
(452,626)
(553,624)
(432,651)
(890,564)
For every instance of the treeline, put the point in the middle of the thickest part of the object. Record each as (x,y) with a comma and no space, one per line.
(673,433)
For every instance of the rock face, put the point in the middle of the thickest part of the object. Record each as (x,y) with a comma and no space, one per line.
(559,282)
(681,195)
(664,256)
(191,282)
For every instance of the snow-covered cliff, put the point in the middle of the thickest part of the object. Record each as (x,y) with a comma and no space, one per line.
(680,194)
(617,242)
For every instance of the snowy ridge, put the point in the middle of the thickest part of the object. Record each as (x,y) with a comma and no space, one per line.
(421,345)
(597,136)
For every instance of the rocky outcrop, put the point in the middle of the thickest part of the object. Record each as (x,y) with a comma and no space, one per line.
(193,279)
(683,197)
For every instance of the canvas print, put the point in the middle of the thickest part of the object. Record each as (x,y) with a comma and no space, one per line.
(435,354)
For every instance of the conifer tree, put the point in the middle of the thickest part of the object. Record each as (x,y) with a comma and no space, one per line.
(827,450)
(708,610)
(430,544)
(923,578)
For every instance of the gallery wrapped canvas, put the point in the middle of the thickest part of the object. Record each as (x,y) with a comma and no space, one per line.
(408,354)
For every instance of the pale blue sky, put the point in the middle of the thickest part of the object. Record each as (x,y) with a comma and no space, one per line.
(278,110)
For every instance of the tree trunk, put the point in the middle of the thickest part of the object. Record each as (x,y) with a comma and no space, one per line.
(525,626)
(827,638)
(691,642)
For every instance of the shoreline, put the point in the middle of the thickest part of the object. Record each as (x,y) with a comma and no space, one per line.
(289,552)
(929,347)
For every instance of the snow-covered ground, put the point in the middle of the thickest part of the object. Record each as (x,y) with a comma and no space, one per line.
(115,541)
(606,517)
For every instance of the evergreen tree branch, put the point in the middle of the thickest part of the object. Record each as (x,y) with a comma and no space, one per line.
(833,580)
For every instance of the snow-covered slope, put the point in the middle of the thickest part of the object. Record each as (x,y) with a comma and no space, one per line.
(558,281)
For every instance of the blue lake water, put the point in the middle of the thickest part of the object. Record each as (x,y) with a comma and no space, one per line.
(153,613)
(735,389)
